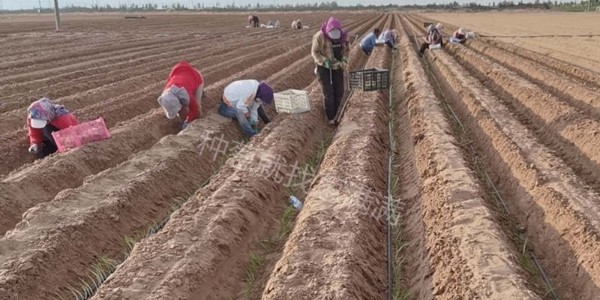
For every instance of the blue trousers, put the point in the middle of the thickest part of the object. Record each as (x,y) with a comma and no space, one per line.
(240,116)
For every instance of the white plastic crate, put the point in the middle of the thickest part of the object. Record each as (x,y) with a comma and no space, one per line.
(292,101)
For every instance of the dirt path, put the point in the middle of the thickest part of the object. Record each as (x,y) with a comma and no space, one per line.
(337,245)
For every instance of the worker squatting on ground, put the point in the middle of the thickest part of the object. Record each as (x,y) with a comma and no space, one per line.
(434,37)
(459,36)
(370,41)
(243,99)
(390,37)
(297,24)
(43,118)
(183,93)
(253,21)
(330,51)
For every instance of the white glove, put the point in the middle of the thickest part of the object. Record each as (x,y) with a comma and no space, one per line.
(33,149)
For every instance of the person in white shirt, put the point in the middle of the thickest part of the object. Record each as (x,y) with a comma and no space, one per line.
(243,99)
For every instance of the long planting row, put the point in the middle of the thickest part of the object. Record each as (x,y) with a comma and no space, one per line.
(453,247)
(541,174)
(203,248)
(337,245)
(121,210)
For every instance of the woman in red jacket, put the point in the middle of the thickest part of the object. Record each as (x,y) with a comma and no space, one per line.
(182,93)
(43,118)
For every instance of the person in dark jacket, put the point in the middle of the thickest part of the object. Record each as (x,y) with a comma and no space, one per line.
(253,20)
(43,118)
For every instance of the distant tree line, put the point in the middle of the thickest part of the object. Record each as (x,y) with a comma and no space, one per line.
(326,5)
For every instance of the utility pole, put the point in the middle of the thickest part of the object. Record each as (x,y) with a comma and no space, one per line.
(40,1)
(56,15)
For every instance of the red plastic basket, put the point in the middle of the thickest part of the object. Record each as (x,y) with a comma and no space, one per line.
(81,134)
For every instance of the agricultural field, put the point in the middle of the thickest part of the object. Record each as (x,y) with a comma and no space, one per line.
(475,176)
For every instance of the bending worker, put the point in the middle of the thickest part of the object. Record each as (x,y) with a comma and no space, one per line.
(297,24)
(183,93)
(369,41)
(330,51)
(390,37)
(459,36)
(43,118)
(253,20)
(434,37)
(243,100)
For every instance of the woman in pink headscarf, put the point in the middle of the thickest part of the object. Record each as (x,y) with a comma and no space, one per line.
(330,52)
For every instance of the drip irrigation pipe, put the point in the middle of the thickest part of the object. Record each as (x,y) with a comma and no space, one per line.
(529,36)
(390,192)
(489,181)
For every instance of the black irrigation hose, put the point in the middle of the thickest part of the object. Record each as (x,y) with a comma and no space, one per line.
(390,192)
(539,36)
(528,36)
(493,186)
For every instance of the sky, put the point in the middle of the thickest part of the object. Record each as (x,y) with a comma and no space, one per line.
(29,4)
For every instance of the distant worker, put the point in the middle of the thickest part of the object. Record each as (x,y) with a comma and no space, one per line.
(253,20)
(330,50)
(459,36)
(390,37)
(182,94)
(434,37)
(43,118)
(277,24)
(297,24)
(243,101)
(370,41)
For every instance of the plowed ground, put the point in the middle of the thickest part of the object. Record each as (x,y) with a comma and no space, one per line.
(479,164)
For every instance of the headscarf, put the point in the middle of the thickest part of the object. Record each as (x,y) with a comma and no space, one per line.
(265,93)
(44,109)
(333,23)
